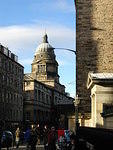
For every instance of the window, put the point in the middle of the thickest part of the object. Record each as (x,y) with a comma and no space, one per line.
(28,83)
(3,78)
(47,99)
(7,80)
(28,115)
(0,61)
(2,96)
(17,114)
(42,96)
(9,66)
(27,95)
(41,68)
(9,53)
(6,51)
(11,114)
(35,94)
(55,100)
(21,100)
(38,95)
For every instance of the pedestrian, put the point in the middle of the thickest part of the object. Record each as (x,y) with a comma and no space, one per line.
(73,142)
(62,143)
(67,136)
(52,139)
(60,133)
(38,131)
(17,137)
(21,136)
(45,137)
(1,132)
(33,138)
(27,137)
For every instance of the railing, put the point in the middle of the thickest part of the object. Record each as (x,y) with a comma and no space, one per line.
(101,139)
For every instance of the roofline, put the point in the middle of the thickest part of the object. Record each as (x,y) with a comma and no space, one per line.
(100,81)
(50,87)
(12,59)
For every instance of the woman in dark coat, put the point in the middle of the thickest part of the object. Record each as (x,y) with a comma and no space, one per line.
(45,137)
(52,139)
(33,139)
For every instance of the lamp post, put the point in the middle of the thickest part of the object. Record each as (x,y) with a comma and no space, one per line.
(77,100)
(67,49)
(76,103)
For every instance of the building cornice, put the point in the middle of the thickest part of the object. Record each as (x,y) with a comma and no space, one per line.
(100,79)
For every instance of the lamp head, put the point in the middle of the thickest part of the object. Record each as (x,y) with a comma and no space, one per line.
(76,101)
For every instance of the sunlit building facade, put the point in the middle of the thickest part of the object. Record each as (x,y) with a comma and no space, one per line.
(43,89)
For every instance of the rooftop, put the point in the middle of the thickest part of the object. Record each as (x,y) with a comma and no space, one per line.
(101,75)
(95,78)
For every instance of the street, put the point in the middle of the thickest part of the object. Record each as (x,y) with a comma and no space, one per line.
(39,147)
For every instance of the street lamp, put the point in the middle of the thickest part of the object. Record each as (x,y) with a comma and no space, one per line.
(77,100)
(76,103)
(68,49)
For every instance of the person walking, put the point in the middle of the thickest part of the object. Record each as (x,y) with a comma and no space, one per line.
(17,137)
(27,137)
(67,136)
(2,125)
(33,138)
(52,139)
(38,132)
(21,136)
(1,134)
(45,137)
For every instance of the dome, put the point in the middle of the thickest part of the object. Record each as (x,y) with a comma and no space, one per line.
(44,46)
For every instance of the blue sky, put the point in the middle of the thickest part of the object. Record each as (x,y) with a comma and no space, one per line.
(23,24)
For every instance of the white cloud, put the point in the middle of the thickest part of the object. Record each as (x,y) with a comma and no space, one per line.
(24,36)
(19,37)
(23,41)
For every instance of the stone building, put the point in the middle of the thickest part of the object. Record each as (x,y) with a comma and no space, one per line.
(101,86)
(37,102)
(11,87)
(45,66)
(107,115)
(45,98)
(94,44)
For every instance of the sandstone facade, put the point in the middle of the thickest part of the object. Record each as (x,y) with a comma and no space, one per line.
(101,85)
(94,43)
(45,99)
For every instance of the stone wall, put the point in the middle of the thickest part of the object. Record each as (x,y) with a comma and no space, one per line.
(101,95)
(108,122)
(94,38)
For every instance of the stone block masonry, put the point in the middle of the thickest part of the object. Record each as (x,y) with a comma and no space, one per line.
(94,38)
